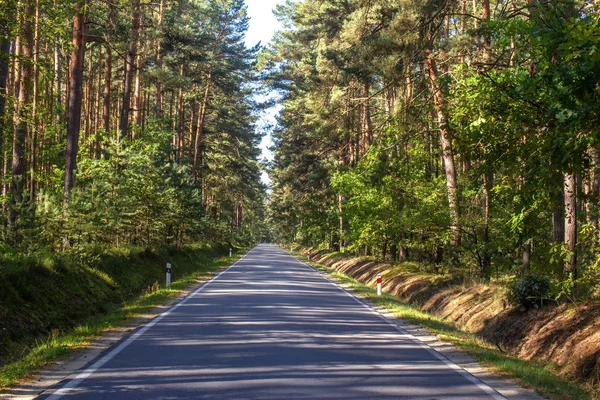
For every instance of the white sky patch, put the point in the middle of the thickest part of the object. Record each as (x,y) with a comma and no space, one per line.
(263,25)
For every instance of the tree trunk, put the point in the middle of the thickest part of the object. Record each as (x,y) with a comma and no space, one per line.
(75,99)
(18,159)
(594,191)
(192,130)
(129,68)
(97,102)
(58,79)
(447,155)
(138,100)
(394,251)
(367,126)
(341,221)
(107,76)
(558,216)
(12,90)
(87,96)
(159,61)
(106,92)
(200,130)
(526,258)
(4,62)
(486,39)
(180,121)
(444,61)
(35,125)
(487,260)
(403,248)
(463,18)
(571,224)
(439,254)
(487,177)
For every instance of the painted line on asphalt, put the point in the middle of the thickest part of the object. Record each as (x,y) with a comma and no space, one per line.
(465,374)
(76,381)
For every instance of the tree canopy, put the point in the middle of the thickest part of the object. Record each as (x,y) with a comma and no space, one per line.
(128,122)
(463,135)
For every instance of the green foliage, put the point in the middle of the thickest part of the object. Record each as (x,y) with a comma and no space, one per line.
(529,291)
(519,119)
(142,188)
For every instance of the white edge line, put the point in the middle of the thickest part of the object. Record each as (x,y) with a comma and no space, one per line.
(76,381)
(465,374)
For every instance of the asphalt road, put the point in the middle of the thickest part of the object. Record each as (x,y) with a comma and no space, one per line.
(270,327)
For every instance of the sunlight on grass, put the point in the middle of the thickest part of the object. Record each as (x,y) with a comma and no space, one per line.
(102,275)
(535,375)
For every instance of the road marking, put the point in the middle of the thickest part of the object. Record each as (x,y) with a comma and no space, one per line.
(465,374)
(76,381)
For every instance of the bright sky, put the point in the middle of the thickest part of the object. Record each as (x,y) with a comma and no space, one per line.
(262,27)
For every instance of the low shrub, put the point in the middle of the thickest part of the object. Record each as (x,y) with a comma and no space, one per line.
(529,291)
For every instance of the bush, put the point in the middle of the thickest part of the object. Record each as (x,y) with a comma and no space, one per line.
(530,291)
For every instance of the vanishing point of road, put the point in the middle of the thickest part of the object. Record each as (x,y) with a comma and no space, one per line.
(271,327)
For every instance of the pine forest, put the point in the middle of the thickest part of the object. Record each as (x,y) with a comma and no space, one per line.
(459,135)
(451,145)
(127,123)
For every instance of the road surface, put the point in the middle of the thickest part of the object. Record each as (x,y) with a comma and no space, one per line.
(270,327)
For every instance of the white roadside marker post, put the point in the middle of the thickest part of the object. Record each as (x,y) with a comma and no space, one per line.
(309,255)
(230,252)
(378,284)
(169,275)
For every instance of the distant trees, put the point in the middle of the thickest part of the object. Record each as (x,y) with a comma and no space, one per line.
(127,122)
(484,124)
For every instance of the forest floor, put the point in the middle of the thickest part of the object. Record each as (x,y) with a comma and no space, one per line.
(546,349)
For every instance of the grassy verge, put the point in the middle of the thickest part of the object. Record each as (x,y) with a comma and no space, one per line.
(27,356)
(534,375)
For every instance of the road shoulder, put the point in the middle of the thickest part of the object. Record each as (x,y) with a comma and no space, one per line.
(506,387)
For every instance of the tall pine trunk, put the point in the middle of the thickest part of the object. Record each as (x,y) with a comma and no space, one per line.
(179,140)
(159,60)
(138,99)
(200,130)
(558,215)
(106,111)
(106,91)
(488,176)
(34,112)
(75,99)
(571,224)
(129,68)
(486,259)
(446,145)
(4,61)
(367,126)
(594,190)
(17,185)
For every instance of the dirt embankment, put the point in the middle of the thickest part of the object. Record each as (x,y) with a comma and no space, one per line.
(566,335)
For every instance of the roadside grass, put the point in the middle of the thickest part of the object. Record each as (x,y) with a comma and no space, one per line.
(28,358)
(531,374)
